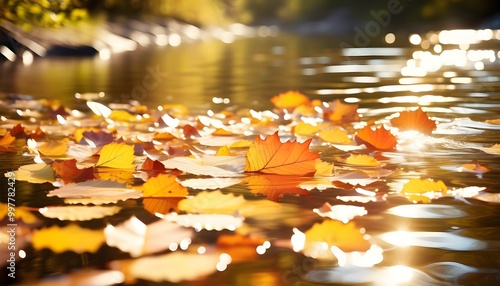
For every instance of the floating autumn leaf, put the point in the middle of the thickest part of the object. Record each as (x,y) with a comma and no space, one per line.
(346,236)
(97,138)
(54,148)
(162,205)
(116,155)
(137,238)
(334,135)
(19,132)
(37,134)
(163,186)
(323,169)
(423,190)
(275,186)
(152,165)
(78,213)
(69,172)
(473,167)
(97,190)
(362,160)
(7,139)
(35,173)
(190,131)
(123,115)
(341,112)
(68,238)
(303,128)
(289,100)
(272,156)
(414,120)
(379,138)
(212,203)
(224,151)
(78,135)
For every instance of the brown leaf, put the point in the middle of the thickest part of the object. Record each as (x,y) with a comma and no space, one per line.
(69,172)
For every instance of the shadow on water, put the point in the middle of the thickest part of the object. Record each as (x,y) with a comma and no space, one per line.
(455,239)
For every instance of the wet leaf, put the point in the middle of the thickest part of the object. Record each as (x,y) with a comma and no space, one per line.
(152,165)
(224,151)
(348,237)
(289,100)
(97,138)
(163,186)
(190,131)
(35,173)
(421,186)
(68,238)
(118,175)
(341,112)
(323,169)
(54,148)
(116,155)
(78,213)
(379,138)
(362,160)
(272,156)
(7,139)
(414,120)
(69,172)
(137,238)
(212,203)
(334,135)
(303,128)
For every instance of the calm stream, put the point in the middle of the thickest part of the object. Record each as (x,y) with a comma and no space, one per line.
(452,239)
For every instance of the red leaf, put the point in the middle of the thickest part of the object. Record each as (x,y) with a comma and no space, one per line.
(69,172)
(379,138)
(190,131)
(19,132)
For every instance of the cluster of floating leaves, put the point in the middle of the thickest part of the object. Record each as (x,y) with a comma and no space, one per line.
(181,167)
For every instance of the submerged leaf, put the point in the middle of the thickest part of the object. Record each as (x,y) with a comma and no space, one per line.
(272,156)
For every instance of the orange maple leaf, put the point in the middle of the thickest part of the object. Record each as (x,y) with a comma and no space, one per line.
(164,186)
(69,172)
(274,157)
(414,120)
(379,138)
(339,111)
(289,100)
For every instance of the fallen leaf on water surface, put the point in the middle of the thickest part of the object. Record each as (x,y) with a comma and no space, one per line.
(423,190)
(346,236)
(123,115)
(289,100)
(163,136)
(275,186)
(35,173)
(54,148)
(343,213)
(116,155)
(334,135)
(68,238)
(493,121)
(323,169)
(20,213)
(190,131)
(97,138)
(111,174)
(152,165)
(271,156)
(339,111)
(212,203)
(379,138)
(96,189)
(78,213)
(414,120)
(163,186)
(7,139)
(69,172)
(19,132)
(362,160)
(303,128)
(137,238)
(224,151)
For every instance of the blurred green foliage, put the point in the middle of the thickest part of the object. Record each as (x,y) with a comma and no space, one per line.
(42,13)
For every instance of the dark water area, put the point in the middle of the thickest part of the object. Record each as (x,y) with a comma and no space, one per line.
(451,238)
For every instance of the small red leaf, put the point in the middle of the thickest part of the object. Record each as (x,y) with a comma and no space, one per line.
(69,172)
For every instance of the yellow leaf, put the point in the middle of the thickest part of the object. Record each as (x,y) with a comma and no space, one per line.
(116,155)
(222,132)
(224,151)
(323,169)
(241,144)
(348,237)
(122,115)
(163,186)
(54,147)
(289,99)
(362,160)
(20,214)
(422,186)
(303,128)
(7,139)
(68,238)
(334,135)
